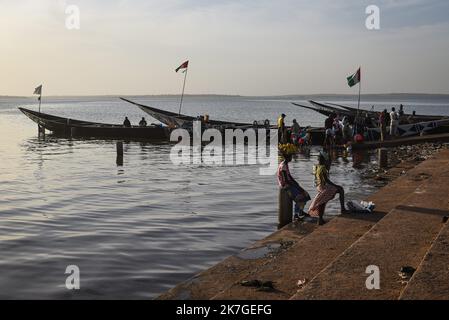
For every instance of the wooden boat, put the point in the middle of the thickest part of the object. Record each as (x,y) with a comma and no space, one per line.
(417,118)
(79,128)
(324,112)
(335,110)
(173,120)
(414,129)
(435,125)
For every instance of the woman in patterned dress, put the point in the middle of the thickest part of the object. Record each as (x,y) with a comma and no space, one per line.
(326,191)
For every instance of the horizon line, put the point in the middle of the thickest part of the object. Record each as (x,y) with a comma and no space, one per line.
(229,95)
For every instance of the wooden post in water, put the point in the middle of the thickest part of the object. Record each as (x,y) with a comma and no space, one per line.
(382,158)
(285,209)
(119,153)
(40,131)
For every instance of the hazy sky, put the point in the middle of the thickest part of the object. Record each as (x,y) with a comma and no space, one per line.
(235,47)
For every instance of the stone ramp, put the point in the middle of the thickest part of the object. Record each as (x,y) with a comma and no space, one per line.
(303,261)
(401,238)
(313,253)
(431,279)
(295,252)
(212,281)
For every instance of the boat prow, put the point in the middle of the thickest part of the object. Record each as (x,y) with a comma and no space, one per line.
(168,118)
(172,119)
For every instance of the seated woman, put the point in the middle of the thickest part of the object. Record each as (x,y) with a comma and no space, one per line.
(326,191)
(293,189)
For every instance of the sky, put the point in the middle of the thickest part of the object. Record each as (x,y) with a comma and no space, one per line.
(241,47)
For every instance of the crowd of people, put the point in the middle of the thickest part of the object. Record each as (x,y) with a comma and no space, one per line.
(295,134)
(339,130)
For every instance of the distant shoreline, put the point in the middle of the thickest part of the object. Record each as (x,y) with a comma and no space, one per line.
(286,96)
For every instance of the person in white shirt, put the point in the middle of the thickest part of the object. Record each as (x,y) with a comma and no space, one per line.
(394,121)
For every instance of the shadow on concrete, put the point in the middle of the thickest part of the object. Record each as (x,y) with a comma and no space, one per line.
(372,217)
(424,210)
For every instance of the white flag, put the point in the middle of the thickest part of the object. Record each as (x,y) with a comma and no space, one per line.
(38,90)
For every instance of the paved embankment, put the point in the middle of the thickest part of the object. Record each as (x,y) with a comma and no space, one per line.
(400,239)
(333,258)
(431,279)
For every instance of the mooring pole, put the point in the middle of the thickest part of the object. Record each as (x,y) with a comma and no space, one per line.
(285,210)
(119,147)
(183,88)
(382,158)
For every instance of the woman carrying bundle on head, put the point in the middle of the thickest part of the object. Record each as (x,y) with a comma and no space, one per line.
(326,191)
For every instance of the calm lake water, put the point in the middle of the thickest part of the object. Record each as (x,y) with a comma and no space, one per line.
(137,230)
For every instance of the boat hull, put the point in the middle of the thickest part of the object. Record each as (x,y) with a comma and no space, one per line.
(152,133)
(77,128)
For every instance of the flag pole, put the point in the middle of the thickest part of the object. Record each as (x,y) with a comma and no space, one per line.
(183,87)
(360,87)
(40,100)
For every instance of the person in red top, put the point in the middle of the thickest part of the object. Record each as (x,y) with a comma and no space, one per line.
(292,187)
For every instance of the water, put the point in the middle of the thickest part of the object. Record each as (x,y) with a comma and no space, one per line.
(135,230)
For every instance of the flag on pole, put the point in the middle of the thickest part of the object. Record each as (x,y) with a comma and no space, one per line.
(38,90)
(182,66)
(354,79)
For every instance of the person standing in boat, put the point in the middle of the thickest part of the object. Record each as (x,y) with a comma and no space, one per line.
(401,110)
(143,122)
(347,130)
(127,123)
(326,190)
(292,187)
(281,128)
(337,127)
(296,130)
(329,134)
(394,121)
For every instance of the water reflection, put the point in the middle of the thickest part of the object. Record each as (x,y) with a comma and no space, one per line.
(360,158)
(135,228)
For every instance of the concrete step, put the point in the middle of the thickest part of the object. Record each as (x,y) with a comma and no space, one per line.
(311,254)
(431,280)
(212,281)
(401,238)
(302,261)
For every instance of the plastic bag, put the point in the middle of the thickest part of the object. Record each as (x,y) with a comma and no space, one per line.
(361,207)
